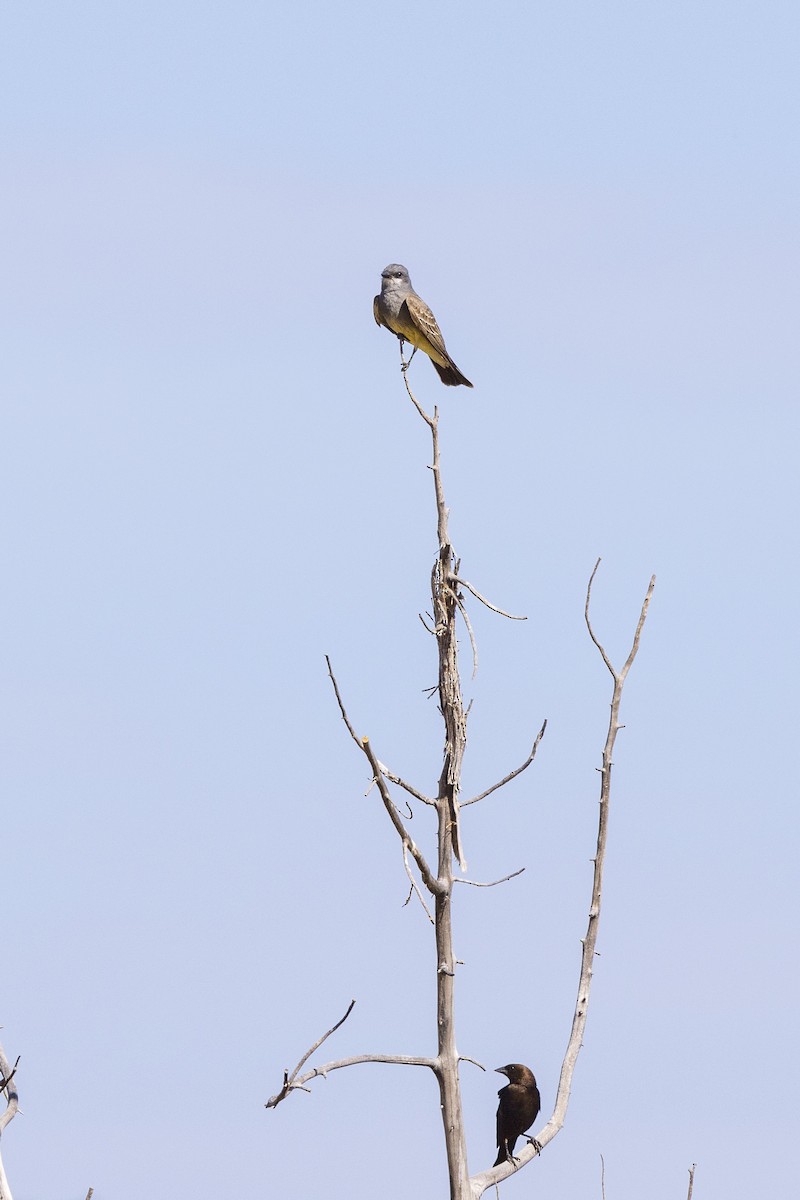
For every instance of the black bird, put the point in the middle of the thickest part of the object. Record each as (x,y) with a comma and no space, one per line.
(518,1108)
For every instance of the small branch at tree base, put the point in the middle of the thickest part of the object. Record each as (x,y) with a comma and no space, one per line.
(512,775)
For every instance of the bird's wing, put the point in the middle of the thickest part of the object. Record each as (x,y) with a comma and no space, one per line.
(501,1120)
(425,321)
(376,311)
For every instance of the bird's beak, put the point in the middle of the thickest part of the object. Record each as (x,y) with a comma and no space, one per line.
(501,1071)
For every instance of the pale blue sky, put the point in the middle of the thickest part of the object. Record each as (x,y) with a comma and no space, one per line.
(212,477)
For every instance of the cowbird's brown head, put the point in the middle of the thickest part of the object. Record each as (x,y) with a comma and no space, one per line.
(517,1073)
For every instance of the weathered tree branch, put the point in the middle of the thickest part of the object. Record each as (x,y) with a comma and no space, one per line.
(512,774)
(692,1170)
(494,883)
(479,1183)
(298,1083)
(415,886)
(448,601)
(364,744)
(500,611)
(12,1105)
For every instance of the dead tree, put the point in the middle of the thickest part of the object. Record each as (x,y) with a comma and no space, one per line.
(448,589)
(7,1089)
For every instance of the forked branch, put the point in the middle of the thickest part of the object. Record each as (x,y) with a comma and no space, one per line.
(294,1081)
(479,1183)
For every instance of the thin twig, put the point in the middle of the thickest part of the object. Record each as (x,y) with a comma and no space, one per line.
(691,1180)
(340,702)
(319,1041)
(500,611)
(428,628)
(474,1061)
(430,421)
(414,886)
(407,787)
(472,882)
(428,877)
(512,775)
(472,642)
(5,1082)
(602,1177)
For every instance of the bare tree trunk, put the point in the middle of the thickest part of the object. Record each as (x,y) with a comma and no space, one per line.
(447,590)
(447,1064)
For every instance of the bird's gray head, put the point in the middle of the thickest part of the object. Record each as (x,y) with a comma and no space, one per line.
(395,275)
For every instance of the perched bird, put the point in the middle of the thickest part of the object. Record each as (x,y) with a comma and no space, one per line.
(518,1108)
(401,310)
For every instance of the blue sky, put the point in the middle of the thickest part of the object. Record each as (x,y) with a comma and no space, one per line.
(212,477)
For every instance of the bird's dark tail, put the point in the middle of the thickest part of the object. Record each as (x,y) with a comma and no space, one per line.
(501,1158)
(451,375)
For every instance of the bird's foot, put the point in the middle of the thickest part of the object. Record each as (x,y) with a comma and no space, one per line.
(533,1142)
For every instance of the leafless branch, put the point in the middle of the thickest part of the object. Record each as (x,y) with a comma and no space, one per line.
(412,791)
(430,421)
(428,877)
(512,775)
(474,1061)
(472,882)
(401,1060)
(340,702)
(7,1080)
(692,1170)
(414,885)
(290,1079)
(500,611)
(89,1194)
(602,1177)
(324,1038)
(472,642)
(479,1183)
(428,628)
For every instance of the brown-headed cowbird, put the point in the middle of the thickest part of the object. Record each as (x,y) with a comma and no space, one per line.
(518,1108)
